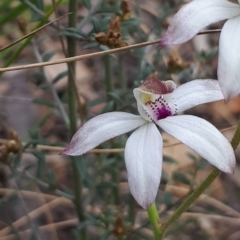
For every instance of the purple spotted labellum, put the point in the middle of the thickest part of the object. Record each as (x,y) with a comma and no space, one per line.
(158,102)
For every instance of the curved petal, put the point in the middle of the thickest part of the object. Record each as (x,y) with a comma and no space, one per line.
(101,128)
(229,58)
(196,92)
(203,138)
(143,157)
(195,16)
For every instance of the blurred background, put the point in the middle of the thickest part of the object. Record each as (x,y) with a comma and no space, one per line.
(44,195)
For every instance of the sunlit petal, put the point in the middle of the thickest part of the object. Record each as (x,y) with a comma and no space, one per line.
(196,92)
(101,128)
(195,16)
(143,157)
(203,138)
(229,58)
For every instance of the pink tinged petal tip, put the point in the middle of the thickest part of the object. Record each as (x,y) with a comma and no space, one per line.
(102,128)
(143,157)
(195,16)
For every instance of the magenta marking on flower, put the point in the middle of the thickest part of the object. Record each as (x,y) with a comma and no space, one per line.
(163,113)
(159,109)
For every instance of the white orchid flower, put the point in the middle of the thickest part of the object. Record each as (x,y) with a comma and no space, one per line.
(198,14)
(157,103)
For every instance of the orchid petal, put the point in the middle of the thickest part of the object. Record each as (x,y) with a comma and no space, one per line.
(195,16)
(203,138)
(101,128)
(143,157)
(196,92)
(229,58)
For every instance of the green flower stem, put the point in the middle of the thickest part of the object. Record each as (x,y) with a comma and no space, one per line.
(77,179)
(236,138)
(189,200)
(131,209)
(108,74)
(154,219)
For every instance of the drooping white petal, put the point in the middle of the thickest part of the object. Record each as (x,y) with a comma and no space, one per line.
(143,157)
(229,58)
(203,138)
(101,128)
(195,16)
(196,92)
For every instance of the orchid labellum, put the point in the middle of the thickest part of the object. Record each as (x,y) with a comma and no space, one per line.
(158,102)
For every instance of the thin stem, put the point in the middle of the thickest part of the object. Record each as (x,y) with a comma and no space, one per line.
(154,219)
(52,89)
(77,180)
(108,74)
(45,185)
(90,55)
(24,207)
(131,209)
(115,188)
(190,200)
(236,138)
(121,74)
(27,41)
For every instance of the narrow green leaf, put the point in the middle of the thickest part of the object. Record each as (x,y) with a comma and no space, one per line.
(40,4)
(39,76)
(96,25)
(109,10)
(51,180)
(87,4)
(181,178)
(41,165)
(44,102)
(91,45)
(169,160)
(60,76)
(95,102)
(10,15)
(48,56)
(73,32)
